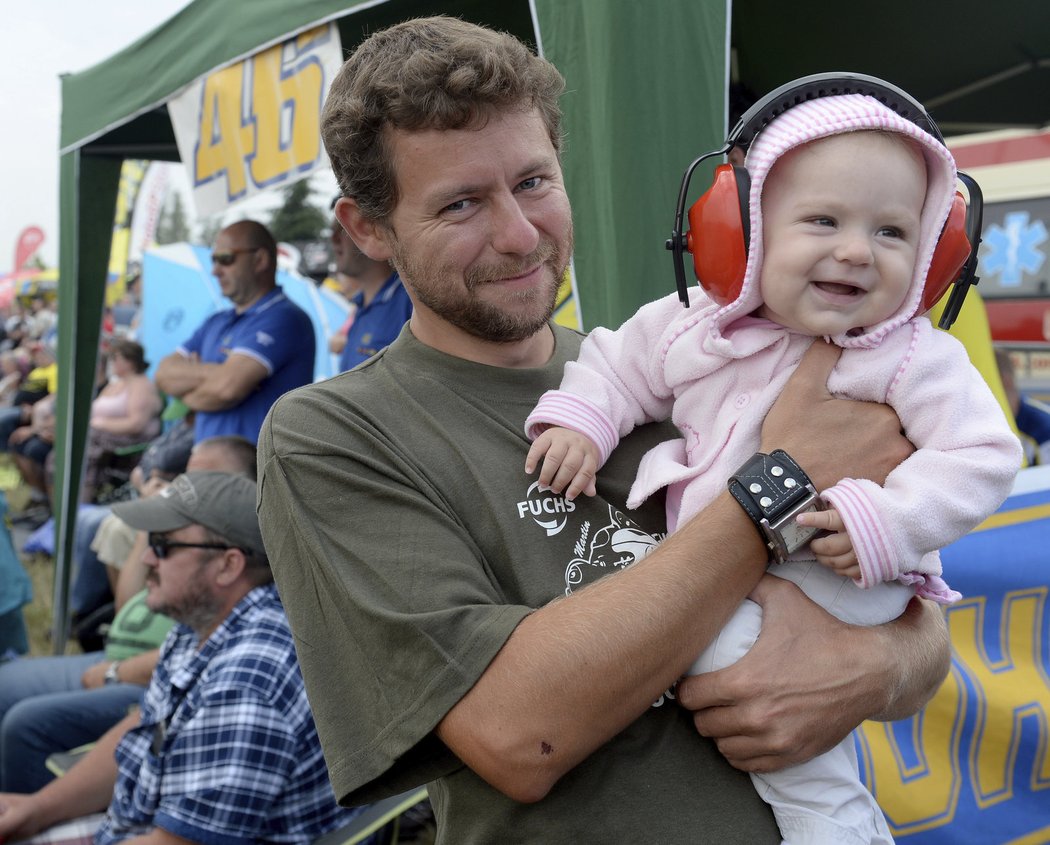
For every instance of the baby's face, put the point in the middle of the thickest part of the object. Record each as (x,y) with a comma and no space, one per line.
(841,232)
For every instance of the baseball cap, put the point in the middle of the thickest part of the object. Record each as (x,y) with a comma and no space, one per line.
(222,502)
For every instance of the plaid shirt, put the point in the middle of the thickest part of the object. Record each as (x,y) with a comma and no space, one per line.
(226,751)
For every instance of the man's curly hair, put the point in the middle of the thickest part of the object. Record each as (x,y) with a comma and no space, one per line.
(427,73)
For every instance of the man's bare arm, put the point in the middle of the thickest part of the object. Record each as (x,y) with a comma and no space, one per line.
(920,638)
(227,384)
(609,651)
(613,648)
(178,374)
(86,788)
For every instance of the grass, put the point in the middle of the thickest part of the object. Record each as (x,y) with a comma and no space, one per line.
(38,613)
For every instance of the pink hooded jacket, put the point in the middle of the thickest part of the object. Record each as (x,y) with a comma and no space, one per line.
(716,371)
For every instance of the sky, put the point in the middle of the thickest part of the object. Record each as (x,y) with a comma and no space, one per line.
(42,40)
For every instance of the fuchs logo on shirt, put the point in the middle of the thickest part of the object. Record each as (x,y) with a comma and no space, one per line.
(263,339)
(548,510)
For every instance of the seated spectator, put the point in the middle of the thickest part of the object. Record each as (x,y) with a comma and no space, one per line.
(112,541)
(52,704)
(30,445)
(224,748)
(16,331)
(42,316)
(14,367)
(164,452)
(41,381)
(126,411)
(16,591)
(101,542)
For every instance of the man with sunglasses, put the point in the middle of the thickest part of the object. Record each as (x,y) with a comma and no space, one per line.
(54,703)
(380,302)
(241,359)
(224,747)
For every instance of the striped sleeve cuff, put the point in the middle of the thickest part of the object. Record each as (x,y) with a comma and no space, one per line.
(870,542)
(558,408)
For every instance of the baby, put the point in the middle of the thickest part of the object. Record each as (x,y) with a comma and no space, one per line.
(847,201)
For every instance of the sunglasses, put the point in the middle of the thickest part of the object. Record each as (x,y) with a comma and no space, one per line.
(225,259)
(161,546)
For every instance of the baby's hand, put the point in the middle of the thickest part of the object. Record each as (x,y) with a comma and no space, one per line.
(570,461)
(835,549)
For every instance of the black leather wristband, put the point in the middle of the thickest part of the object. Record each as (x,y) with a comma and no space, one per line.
(772,489)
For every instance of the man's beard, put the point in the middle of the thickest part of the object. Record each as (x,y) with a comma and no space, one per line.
(196,610)
(475,316)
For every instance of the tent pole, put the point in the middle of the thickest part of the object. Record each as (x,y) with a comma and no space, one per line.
(87,200)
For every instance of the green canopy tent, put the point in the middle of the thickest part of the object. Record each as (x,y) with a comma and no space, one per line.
(646,93)
(646,90)
(975,65)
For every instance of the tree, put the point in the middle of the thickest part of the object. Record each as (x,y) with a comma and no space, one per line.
(208,228)
(172,226)
(297,219)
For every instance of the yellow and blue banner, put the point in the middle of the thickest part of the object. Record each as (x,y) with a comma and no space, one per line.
(132,173)
(255,124)
(973,767)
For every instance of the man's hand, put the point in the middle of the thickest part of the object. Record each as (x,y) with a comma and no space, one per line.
(178,374)
(153,486)
(17,816)
(20,435)
(337,343)
(806,683)
(95,676)
(569,461)
(832,438)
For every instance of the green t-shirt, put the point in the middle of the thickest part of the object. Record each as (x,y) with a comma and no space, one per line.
(135,629)
(408,543)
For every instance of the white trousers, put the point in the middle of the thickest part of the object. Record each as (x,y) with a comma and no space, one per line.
(822,801)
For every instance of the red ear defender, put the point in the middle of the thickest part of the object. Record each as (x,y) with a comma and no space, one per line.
(951,253)
(718,234)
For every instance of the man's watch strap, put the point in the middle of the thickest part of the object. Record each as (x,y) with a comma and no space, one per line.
(772,489)
(112,675)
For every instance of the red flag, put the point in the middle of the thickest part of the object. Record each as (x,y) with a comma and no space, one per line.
(28,243)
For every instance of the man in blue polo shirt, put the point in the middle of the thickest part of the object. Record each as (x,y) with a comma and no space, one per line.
(240,360)
(381,302)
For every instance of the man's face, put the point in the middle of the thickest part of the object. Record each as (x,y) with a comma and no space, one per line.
(239,281)
(349,260)
(482,232)
(42,356)
(179,584)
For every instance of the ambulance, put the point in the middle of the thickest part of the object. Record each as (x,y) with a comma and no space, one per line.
(1013,169)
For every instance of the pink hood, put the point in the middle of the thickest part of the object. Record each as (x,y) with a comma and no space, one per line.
(818,119)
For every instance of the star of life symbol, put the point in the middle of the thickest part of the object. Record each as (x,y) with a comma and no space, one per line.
(1013,248)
